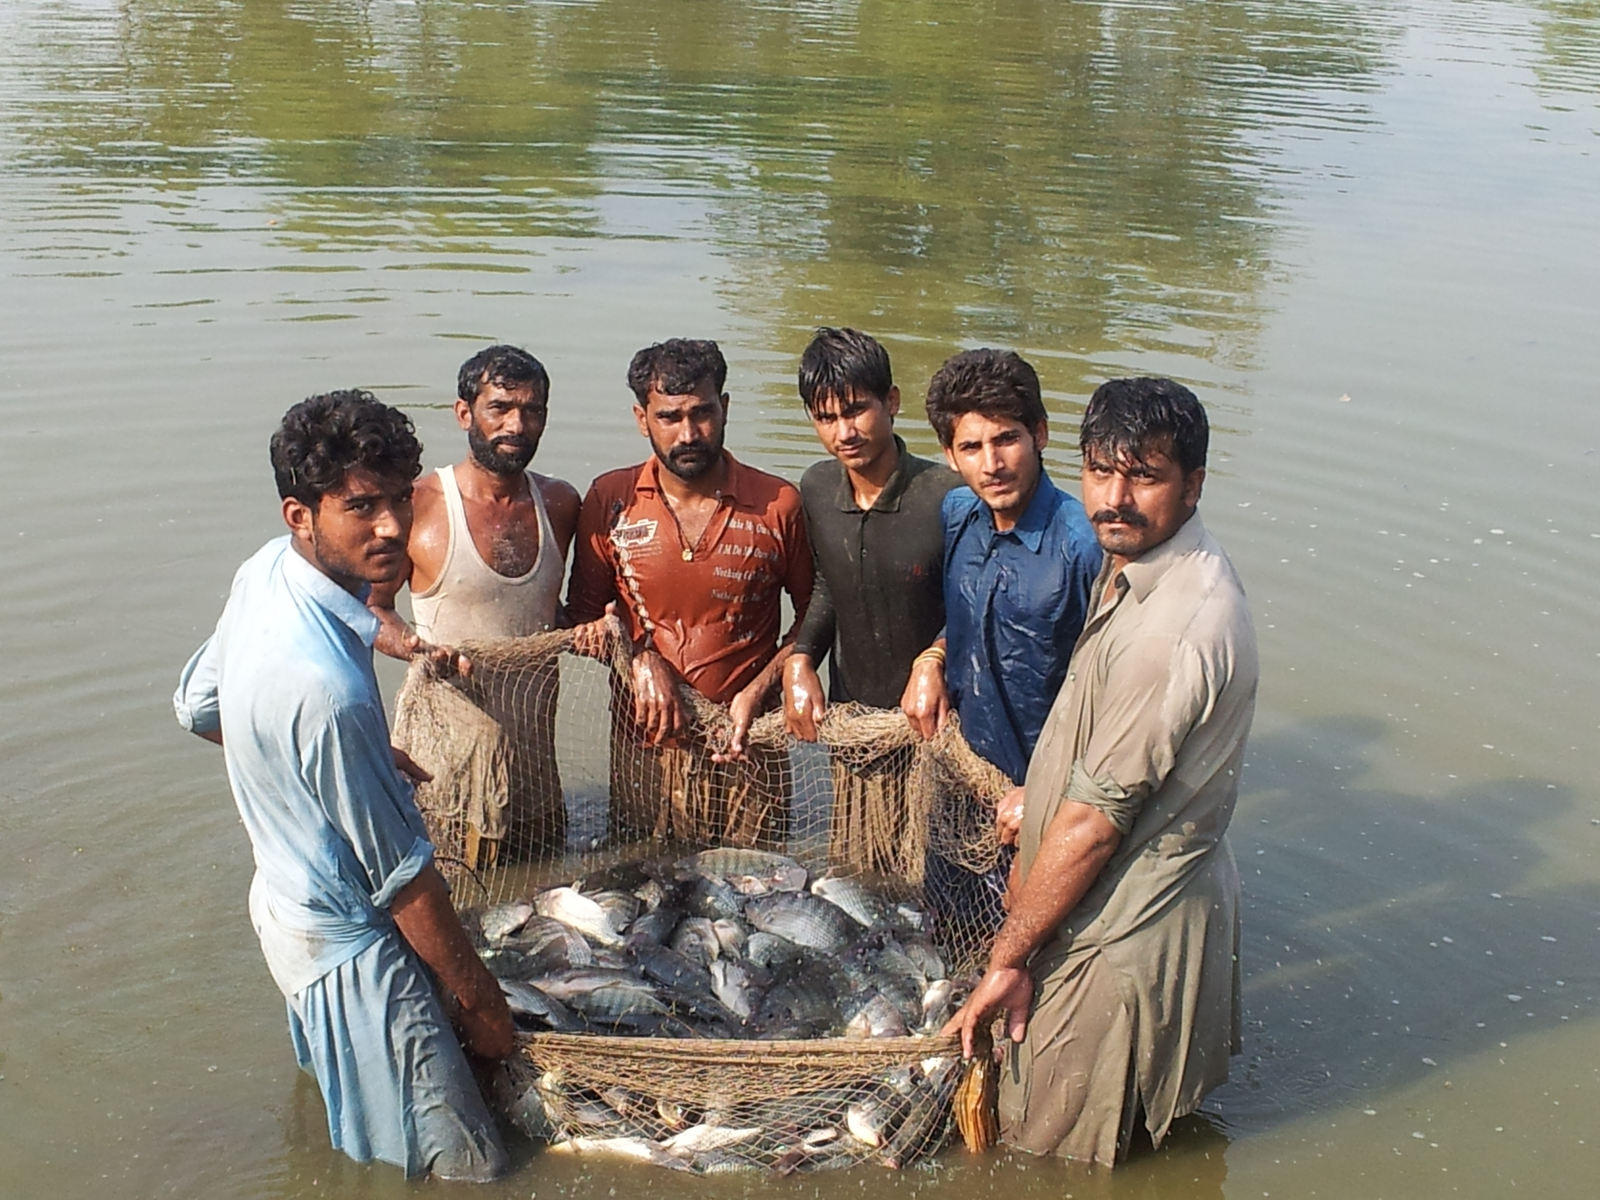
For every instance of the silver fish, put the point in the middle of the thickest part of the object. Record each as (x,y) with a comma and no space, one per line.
(601,993)
(849,894)
(572,907)
(699,1138)
(711,897)
(502,920)
(804,919)
(936,1006)
(874,1019)
(872,1118)
(770,950)
(550,943)
(730,980)
(637,1149)
(748,872)
(732,936)
(924,957)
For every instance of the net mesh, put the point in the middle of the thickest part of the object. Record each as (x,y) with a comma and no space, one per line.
(541,779)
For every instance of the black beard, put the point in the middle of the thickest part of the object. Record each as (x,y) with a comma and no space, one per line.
(702,457)
(497,462)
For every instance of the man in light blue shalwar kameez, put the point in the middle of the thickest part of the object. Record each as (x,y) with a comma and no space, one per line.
(355,922)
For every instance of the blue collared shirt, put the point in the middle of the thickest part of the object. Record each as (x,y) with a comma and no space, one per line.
(287,678)
(1014,603)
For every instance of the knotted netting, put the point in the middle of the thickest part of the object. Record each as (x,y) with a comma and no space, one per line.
(541,780)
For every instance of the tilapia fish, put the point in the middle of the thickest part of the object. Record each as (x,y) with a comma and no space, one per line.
(805,920)
(571,907)
(748,872)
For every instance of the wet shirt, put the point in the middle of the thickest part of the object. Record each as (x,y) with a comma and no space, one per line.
(1014,605)
(287,679)
(714,609)
(879,595)
(1149,729)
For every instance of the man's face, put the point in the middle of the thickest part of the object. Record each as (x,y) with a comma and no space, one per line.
(1136,505)
(356,534)
(504,427)
(685,431)
(859,430)
(998,458)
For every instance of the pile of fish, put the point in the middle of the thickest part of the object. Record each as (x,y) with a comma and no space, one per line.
(728,943)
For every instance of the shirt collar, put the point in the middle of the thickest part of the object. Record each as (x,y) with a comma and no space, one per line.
(894,487)
(1029,529)
(348,609)
(1144,572)
(739,480)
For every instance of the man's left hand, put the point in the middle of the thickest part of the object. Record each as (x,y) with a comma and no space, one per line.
(1002,989)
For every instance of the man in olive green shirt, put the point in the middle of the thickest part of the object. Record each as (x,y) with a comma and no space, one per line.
(1122,933)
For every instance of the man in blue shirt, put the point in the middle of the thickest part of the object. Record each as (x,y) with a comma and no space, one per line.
(1019,559)
(354,920)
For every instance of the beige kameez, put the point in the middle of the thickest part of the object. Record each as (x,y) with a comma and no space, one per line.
(1136,1000)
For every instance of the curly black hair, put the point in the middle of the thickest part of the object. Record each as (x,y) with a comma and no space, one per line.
(676,367)
(322,437)
(999,384)
(508,367)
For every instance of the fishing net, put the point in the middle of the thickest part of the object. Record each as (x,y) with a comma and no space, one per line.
(540,778)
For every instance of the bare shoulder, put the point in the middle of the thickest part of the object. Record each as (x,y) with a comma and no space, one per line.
(430,531)
(562,503)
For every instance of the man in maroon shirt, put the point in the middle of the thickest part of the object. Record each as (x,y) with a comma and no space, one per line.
(694,547)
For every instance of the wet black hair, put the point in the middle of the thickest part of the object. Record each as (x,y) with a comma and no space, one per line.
(676,367)
(996,383)
(840,363)
(508,367)
(1128,419)
(324,436)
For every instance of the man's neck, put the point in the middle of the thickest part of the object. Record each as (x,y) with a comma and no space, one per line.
(868,484)
(477,482)
(709,486)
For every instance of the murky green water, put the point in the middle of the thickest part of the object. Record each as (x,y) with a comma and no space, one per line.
(1367,233)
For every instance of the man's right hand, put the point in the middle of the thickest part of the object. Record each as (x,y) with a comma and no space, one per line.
(803,704)
(487,1031)
(398,640)
(656,705)
(925,701)
(1008,816)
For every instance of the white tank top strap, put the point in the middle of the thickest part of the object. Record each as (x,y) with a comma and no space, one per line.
(470,599)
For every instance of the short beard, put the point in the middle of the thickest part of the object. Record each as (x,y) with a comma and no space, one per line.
(497,462)
(693,468)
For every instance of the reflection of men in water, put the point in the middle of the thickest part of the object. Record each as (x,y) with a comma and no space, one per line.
(695,547)
(355,923)
(488,552)
(1019,556)
(1123,929)
(872,514)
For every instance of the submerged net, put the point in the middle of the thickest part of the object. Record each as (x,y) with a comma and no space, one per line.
(540,778)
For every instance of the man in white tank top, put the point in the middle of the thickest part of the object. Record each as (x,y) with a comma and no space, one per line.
(488,552)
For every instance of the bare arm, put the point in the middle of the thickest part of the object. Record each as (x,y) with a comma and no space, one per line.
(1072,853)
(425,918)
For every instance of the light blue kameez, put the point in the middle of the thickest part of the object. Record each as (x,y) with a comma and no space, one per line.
(287,678)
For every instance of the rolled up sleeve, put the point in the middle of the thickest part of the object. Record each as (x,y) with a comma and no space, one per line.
(195,702)
(1152,697)
(350,768)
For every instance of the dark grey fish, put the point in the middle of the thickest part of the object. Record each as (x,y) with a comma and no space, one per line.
(696,938)
(804,919)
(546,940)
(768,950)
(655,925)
(500,921)
(674,970)
(924,956)
(620,907)
(874,1016)
(734,986)
(713,899)
(527,1001)
(867,909)
(801,1006)
(749,872)
(927,1124)
(600,993)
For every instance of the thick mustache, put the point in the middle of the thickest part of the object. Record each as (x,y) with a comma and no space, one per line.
(1120,516)
(513,443)
(692,450)
(389,546)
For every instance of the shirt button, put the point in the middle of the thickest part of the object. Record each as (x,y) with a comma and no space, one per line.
(1071,676)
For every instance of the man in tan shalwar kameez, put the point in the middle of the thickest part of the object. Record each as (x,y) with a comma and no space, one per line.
(1123,925)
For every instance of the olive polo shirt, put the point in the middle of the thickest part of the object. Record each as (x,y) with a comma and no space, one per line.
(879,595)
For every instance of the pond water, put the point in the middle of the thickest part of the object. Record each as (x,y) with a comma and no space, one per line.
(1365,233)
